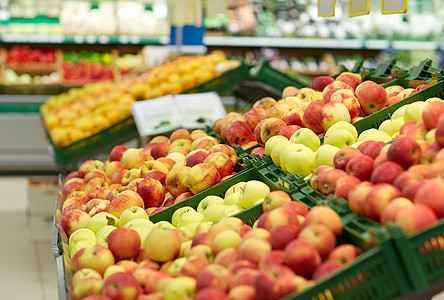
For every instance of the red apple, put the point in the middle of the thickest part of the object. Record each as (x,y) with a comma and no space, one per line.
(116,153)
(314,179)
(225,149)
(125,200)
(281,235)
(328,180)
(222,162)
(405,151)
(439,134)
(371,148)
(415,218)
(393,208)
(213,276)
(288,130)
(275,282)
(386,172)
(321,236)
(253,249)
(356,197)
(325,269)
(211,293)
(378,198)
(343,156)
(349,78)
(275,257)
(344,185)
(245,276)
(311,116)
(324,215)
(302,257)
(74,219)
(294,117)
(152,192)
(431,194)
(344,253)
(372,97)
(121,286)
(176,180)
(274,200)
(239,132)
(320,82)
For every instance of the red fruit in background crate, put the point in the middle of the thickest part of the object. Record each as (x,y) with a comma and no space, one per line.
(386,172)
(405,151)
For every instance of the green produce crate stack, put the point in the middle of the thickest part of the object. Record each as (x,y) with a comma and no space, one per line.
(384,73)
(263,72)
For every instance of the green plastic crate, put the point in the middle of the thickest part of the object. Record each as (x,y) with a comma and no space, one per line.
(219,190)
(93,144)
(223,82)
(263,72)
(376,274)
(385,72)
(421,253)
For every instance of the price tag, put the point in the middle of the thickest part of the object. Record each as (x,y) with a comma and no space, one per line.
(358,7)
(79,39)
(123,39)
(198,110)
(326,8)
(103,39)
(135,39)
(394,7)
(91,39)
(156,116)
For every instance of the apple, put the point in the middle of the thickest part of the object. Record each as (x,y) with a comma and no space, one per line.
(281,235)
(158,175)
(89,165)
(96,257)
(124,243)
(225,149)
(393,208)
(201,176)
(415,218)
(252,117)
(274,141)
(207,201)
(239,132)
(222,162)
(226,257)
(181,133)
(275,282)
(224,240)
(386,172)
(274,200)
(321,236)
(343,156)
(84,273)
(302,257)
(349,100)
(182,197)
(245,276)
(356,197)
(311,116)
(339,138)
(157,281)
(193,266)
(213,276)
(294,117)
(371,148)
(92,174)
(269,128)
(413,111)
(345,253)
(72,185)
(152,192)
(86,287)
(205,142)
(320,82)
(121,286)
(314,178)
(405,151)
(188,218)
(277,150)
(162,244)
(324,215)
(431,113)
(372,97)
(73,220)
(430,194)
(211,293)
(306,137)
(325,155)
(352,79)
(439,135)
(100,220)
(252,191)
(125,200)
(325,269)
(331,113)
(327,180)
(159,139)
(176,180)
(253,249)
(344,185)
(196,157)
(275,257)
(132,158)
(378,198)
(289,130)
(289,91)
(279,109)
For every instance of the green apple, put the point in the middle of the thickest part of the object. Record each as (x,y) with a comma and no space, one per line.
(235,188)
(298,160)
(82,234)
(340,138)
(413,112)
(231,210)
(314,96)
(273,141)
(165,224)
(395,135)
(430,136)
(307,138)
(181,287)
(325,155)
(433,99)
(207,201)
(132,213)
(253,191)
(399,112)
(259,201)
(177,265)
(214,213)
(392,126)
(276,152)
(405,93)
(190,217)
(343,125)
(142,226)
(232,198)
(374,134)
(284,153)
(102,235)
(102,219)
(80,245)
(178,213)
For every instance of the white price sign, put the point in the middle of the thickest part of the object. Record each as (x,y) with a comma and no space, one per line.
(394,6)
(164,114)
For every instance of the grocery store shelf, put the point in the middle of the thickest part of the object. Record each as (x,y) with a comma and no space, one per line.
(232,41)
(83,39)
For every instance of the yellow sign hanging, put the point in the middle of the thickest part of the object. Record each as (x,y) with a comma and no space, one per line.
(326,8)
(394,7)
(358,7)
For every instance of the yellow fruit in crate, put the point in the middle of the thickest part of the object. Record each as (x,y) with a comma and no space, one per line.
(100,121)
(75,134)
(51,121)
(59,135)
(84,123)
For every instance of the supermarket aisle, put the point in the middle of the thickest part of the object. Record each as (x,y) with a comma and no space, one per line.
(27,268)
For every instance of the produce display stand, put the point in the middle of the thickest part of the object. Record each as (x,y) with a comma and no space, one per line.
(126,130)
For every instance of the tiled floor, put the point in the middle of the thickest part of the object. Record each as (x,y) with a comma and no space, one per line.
(28,268)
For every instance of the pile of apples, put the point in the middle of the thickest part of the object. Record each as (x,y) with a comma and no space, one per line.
(24,55)
(286,250)
(326,102)
(399,182)
(164,172)
(81,112)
